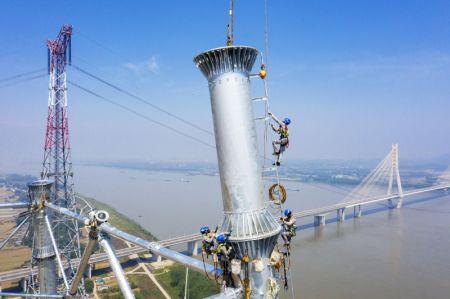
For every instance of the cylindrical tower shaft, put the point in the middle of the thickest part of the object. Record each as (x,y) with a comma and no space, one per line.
(254,231)
(43,252)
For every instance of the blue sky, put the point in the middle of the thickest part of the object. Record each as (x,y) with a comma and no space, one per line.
(354,76)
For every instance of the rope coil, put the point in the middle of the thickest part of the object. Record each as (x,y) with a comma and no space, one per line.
(277,193)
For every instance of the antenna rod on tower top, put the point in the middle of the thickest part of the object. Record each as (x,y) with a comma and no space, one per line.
(230,34)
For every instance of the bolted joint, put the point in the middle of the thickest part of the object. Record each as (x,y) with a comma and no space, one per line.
(96,218)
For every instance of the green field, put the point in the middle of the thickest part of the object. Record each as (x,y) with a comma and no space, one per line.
(173,280)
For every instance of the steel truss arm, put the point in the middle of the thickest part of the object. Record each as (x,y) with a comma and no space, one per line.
(14,205)
(58,257)
(14,232)
(116,267)
(68,213)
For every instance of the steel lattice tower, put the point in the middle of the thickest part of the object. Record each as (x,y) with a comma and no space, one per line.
(57,165)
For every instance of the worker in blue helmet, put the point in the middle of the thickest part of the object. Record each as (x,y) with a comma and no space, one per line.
(208,238)
(224,253)
(224,248)
(280,144)
(289,228)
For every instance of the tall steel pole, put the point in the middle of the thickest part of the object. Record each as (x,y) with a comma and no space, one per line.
(254,231)
(43,252)
(57,164)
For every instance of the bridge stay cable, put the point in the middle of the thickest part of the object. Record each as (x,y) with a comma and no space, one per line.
(379,182)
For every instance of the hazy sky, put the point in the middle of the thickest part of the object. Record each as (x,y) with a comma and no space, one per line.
(354,76)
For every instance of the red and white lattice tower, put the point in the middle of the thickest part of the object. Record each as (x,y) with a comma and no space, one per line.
(57,165)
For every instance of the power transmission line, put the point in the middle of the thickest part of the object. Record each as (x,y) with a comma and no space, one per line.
(139,114)
(23,80)
(121,90)
(21,75)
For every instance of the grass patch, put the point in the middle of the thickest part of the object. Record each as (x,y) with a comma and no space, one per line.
(143,287)
(199,286)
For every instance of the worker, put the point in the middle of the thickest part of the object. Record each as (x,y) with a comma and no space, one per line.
(225,254)
(224,249)
(280,145)
(288,223)
(208,238)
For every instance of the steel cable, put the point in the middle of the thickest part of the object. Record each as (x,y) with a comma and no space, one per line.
(23,80)
(22,75)
(121,90)
(139,114)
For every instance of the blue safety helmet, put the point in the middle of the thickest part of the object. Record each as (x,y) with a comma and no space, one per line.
(287,121)
(221,238)
(204,229)
(287,212)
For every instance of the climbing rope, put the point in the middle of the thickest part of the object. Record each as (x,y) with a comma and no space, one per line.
(280,190)
(266,32)
(230,27)
(204,265)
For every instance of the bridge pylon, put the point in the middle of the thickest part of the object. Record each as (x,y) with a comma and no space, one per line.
(381,181)
(395,173)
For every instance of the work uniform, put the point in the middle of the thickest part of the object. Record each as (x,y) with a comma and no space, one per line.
(208,242)
(224,250)
(289,228)
(280,145)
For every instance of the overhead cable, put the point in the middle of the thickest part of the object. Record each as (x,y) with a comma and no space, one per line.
(139,114)
(121,90)
(23,80)
(21,75)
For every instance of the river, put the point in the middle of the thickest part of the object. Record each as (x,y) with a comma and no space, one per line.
(398,253)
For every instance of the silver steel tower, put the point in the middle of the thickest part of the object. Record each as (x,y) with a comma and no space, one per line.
(254,231)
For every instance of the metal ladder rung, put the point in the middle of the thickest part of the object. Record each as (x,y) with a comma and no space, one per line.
(269,169)
(262,118)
